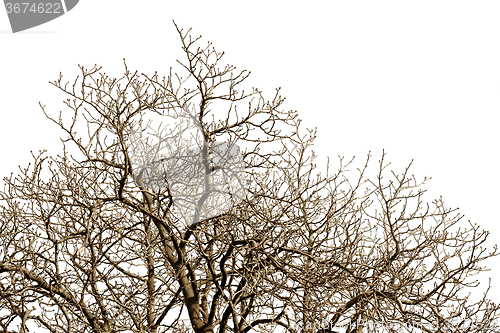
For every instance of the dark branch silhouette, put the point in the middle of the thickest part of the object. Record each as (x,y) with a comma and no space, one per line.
(140,227)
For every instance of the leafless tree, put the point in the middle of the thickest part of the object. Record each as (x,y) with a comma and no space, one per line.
(123,233)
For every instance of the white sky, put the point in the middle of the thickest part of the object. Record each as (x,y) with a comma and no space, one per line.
(420,80)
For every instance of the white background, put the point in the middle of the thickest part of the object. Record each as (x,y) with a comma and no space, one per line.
(420,80)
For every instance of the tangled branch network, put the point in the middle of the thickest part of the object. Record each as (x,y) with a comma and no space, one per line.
(204,179)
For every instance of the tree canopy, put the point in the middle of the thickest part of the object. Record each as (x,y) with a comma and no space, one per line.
(185,203)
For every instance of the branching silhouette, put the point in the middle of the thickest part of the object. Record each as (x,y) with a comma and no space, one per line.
(96,239)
